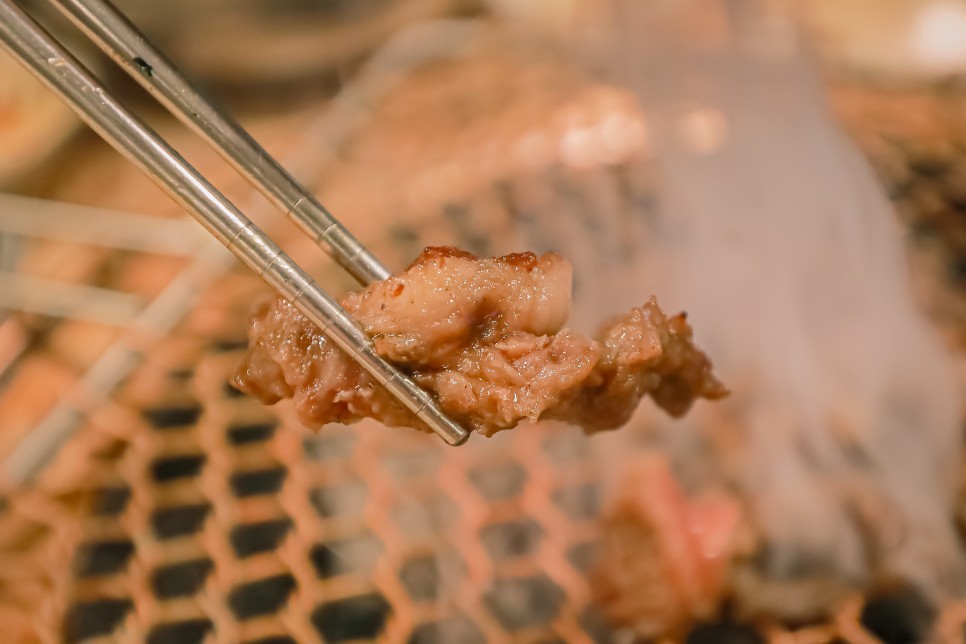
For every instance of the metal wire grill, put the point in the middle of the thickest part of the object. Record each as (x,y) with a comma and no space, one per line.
(184,512)
(221,515)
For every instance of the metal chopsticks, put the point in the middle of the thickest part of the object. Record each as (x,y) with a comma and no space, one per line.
(72,82)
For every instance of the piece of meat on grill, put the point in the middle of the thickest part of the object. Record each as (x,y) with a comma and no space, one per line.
(664,558)
(486,336)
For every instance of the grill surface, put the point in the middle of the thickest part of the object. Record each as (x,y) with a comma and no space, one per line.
(185,512)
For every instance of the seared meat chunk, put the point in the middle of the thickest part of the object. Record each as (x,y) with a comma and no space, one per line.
(485,335)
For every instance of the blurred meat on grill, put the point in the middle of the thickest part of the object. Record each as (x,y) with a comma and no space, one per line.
(665,558)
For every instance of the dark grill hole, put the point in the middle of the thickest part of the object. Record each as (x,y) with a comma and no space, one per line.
(723,633)
(409,465)
(581,556)
(175,467)
(334,447)
(361,617)
(168,417)
(180,579)
(524,603)
(179,521)
(91,619)
(250,433)
(338,500)
(404,234)
(341,557)
(102,557)
(420,576)
(110,450)
(406,240)
(923,231)
(499,482)
(511,539)
(776,564)
(231,391)
(425,517)
(957,270)
(928,165)
(596,627)
(266,481)
(457,630)
(330,12)
(326,562)
(273,639)
(252,538)
(901,616)
(565,448)
(110,501)
(181,374)
(952,186)
(477,243)
(580,502)
(189,631)
(260,597)
(224,345)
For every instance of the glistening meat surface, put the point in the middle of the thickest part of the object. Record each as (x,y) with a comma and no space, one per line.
(485,334)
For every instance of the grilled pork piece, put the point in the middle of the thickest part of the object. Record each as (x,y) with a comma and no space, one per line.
(486,335)
(664,558)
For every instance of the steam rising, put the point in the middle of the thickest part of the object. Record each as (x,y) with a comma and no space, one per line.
(844,426)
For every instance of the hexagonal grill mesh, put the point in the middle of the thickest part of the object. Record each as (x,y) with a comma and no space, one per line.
(223,516)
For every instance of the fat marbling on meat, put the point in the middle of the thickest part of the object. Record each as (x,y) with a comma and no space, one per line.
(486,335)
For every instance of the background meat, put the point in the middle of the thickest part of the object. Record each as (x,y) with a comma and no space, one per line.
(664,557)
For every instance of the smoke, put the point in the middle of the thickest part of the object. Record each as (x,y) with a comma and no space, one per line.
(843,433)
